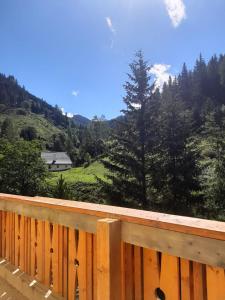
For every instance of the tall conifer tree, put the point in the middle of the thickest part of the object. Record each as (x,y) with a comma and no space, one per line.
(129,159)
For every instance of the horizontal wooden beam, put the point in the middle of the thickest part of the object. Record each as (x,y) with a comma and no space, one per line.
(194,226)
(23,283)
(200,249)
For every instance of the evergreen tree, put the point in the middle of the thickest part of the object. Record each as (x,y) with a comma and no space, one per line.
(62,190)
(211,145)
(8,130)
(175,162)
(128,155)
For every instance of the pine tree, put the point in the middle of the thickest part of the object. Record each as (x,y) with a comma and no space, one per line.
(128,155)
(211,144)
(175,165)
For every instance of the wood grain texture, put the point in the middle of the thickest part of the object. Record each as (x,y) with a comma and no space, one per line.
(108,259)
(201,227)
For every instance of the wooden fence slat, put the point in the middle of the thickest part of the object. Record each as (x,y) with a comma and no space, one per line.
(215,283)
(151,269)
(198,287)
(65,261)
(48,246)
(17,240)
(138,273)
(89,265)
(33,257)
(169,277)
(185,272)
(55,257)
(60,259)
(129,272)
(94,267)
(40,250)
(82,270)
(72,271)
(22,243)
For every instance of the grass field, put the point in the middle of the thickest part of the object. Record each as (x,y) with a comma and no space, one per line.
(44,128)
(81,174)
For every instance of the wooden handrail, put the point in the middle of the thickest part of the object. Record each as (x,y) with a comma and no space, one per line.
(82,236)
(194,226)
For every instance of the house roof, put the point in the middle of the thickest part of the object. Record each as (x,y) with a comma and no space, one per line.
(58,158)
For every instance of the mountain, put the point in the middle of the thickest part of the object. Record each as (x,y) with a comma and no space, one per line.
(16,99)
(80,120)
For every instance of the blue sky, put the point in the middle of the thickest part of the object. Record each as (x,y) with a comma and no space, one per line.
(75,53)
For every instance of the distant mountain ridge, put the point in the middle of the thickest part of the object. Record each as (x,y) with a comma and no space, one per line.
(80,120)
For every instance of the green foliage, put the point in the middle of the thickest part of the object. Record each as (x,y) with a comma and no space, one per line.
(62,189)
(8,130)
(211,145)
(29,133)
(22,171)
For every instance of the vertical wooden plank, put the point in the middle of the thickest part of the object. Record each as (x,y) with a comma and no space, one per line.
(13,239)
(26,244)
(22,243)
(48,247)
(123,277)
(89,259)
(3,234)
(129,272)
(94,267)
(169,277)
(55,256)
(72,254)
(0,233)
(198,287)
(40,250)
(82,270)
(60,259)
(17,240)
(33,233)
(151,270)
(108,259)
(138,273)
(65,261)
(185,279)
(29,246)
(7,230)
(215,283)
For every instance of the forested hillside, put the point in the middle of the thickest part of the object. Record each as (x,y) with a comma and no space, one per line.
(13,96)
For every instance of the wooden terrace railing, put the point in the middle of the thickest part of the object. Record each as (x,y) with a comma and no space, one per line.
(58,249)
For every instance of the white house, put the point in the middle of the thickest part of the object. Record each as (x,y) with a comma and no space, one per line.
(57,161)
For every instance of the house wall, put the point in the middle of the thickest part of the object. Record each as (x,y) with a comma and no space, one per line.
(56,167)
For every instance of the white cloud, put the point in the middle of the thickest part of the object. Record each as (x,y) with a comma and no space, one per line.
(176,11)
(161,74)
(110,25)
(69,115)
(75,93)
(136,105)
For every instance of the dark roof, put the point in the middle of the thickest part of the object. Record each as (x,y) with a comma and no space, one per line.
(58,158)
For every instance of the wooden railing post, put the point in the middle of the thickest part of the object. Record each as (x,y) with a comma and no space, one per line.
(108,259)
